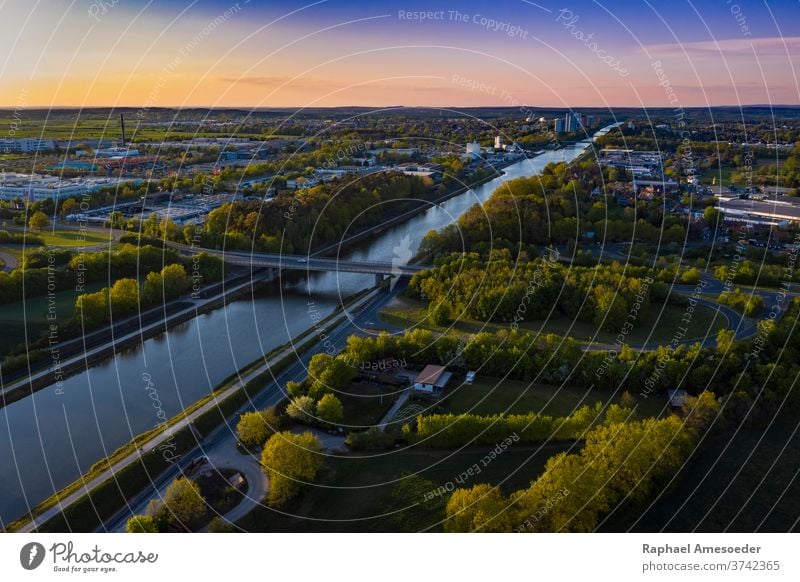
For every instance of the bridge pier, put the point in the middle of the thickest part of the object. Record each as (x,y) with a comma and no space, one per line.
(378,279)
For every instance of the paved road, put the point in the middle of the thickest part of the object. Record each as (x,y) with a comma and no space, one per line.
(224,437)
(271,396)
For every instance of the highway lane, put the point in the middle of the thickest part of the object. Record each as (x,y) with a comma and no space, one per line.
(224,436)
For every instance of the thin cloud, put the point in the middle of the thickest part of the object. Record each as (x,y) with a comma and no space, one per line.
(764,47)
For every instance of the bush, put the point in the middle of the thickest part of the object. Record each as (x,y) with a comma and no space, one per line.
(370,440)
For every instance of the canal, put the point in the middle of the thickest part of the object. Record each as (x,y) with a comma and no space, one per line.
(52,437)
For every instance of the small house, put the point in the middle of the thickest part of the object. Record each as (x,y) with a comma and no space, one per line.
(432,380)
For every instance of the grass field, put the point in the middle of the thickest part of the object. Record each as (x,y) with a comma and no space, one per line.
(353,493)
(492,395)
(660,327)
(71,238)
(365,404)
(723,176)
(763,497)
(34,311)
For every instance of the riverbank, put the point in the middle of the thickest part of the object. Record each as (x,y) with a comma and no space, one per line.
(79,354)
(178,431)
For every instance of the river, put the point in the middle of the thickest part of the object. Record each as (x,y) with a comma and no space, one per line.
(52,437)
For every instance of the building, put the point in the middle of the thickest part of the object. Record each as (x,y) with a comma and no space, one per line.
(572,121)
(498,142)
(474,149)
(26,145)
(558,126)
(35,187)
(779,211)
(116,152)
(432,380)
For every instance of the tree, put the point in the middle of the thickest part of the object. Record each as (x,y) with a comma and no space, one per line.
(219,525)
(183,503)
(39,220)
(175,280)
(290,460)
(254,428)
(690,276)
(68,206)
(124,296)
(479,509)
(301,409)
(141,524)
(711,216)
(441,313)
(725,340)
(91,309)
(152,288)
(701,411)
(330,409)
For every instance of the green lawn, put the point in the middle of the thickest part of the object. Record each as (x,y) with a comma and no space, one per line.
(71,238)
(34,311)
(492,395)
(353,493)
(723,176)
(365,404)
(709,495)
(660,327)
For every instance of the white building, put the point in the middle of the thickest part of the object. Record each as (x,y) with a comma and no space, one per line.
(474,149)
(26,145)
(116,153)
(35,187)
(498,142)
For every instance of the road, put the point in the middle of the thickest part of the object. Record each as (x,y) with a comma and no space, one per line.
(271,395)
(223,437)
(304,262)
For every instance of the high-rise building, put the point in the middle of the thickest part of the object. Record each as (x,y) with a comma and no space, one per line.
(558,126)
(498,142)
(473,149)
(572,121)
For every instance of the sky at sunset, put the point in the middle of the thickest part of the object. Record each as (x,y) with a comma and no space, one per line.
(331,53)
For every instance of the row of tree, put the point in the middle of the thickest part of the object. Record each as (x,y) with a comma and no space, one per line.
(500,289)
(622,462)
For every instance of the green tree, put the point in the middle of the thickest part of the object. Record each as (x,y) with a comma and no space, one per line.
(141,524)
(725,340)
(39,220)
(68,207)
(91,309)
(301,409)
(183,503)
(175,280)
(479,509)
(219,525)
(290,460)
(330,409)
(690,276)
(124,296)
(254,428)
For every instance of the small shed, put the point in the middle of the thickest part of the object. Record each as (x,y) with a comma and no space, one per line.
(432,380)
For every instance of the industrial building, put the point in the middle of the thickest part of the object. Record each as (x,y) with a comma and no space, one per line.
(26,145)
